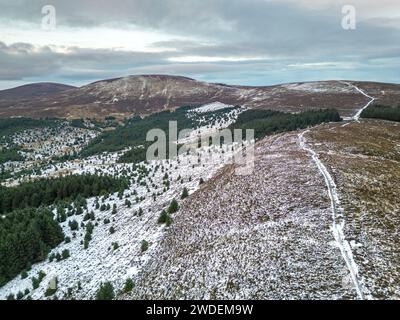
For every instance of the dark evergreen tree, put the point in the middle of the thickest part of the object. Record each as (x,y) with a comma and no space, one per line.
(106,292)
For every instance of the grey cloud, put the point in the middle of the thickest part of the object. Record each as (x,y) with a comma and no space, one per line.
(282,33)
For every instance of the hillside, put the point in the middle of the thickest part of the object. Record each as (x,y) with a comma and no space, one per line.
(269,235)
(123,97)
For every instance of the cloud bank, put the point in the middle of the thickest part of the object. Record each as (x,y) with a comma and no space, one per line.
(254,42)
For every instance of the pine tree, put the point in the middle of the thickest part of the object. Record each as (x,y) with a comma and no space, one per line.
(144,246)
(185,193)
(173,207)
(106,292)
(128,285)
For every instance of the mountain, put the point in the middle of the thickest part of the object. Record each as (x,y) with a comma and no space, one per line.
(33,90)
(122,97)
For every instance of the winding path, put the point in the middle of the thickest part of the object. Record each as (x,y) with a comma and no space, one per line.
(337,212)
(356,117)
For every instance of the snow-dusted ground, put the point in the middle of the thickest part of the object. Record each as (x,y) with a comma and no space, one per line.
(364,161)
(338,220)
(81,274)
(260,236)
(214,106)
(100,262)
(210,125)
(337,211)
(40,145)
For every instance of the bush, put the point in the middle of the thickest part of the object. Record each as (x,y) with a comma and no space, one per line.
(173,207)
(112,230)
(144,246)
(35,283)
(73,225)
(185,193)
(65,254)
(165,218)
(128,285)
(20,295)
(106,292)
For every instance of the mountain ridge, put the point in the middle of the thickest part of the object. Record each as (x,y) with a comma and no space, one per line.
(144,94)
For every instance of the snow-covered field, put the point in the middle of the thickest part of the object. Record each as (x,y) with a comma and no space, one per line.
(214,106)
(100,263)
(81,275)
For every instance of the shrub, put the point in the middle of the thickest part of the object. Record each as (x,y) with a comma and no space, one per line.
(73,225)
(106,292)
(128,285)
(65,254)
(144,246)
(173,207)
(165,218)
(185,193)
(35,283)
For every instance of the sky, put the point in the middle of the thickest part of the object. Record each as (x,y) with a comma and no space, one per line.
(248,42)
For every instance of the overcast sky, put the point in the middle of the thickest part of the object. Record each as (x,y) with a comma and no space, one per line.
(250,42)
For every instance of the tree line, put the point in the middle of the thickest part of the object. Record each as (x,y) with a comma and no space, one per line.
(266,122)
(44,192)
(26,237)
(10,154)
(377,111)
(13,125)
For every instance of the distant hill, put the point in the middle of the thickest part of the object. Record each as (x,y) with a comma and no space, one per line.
(144,94)
(33,90)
